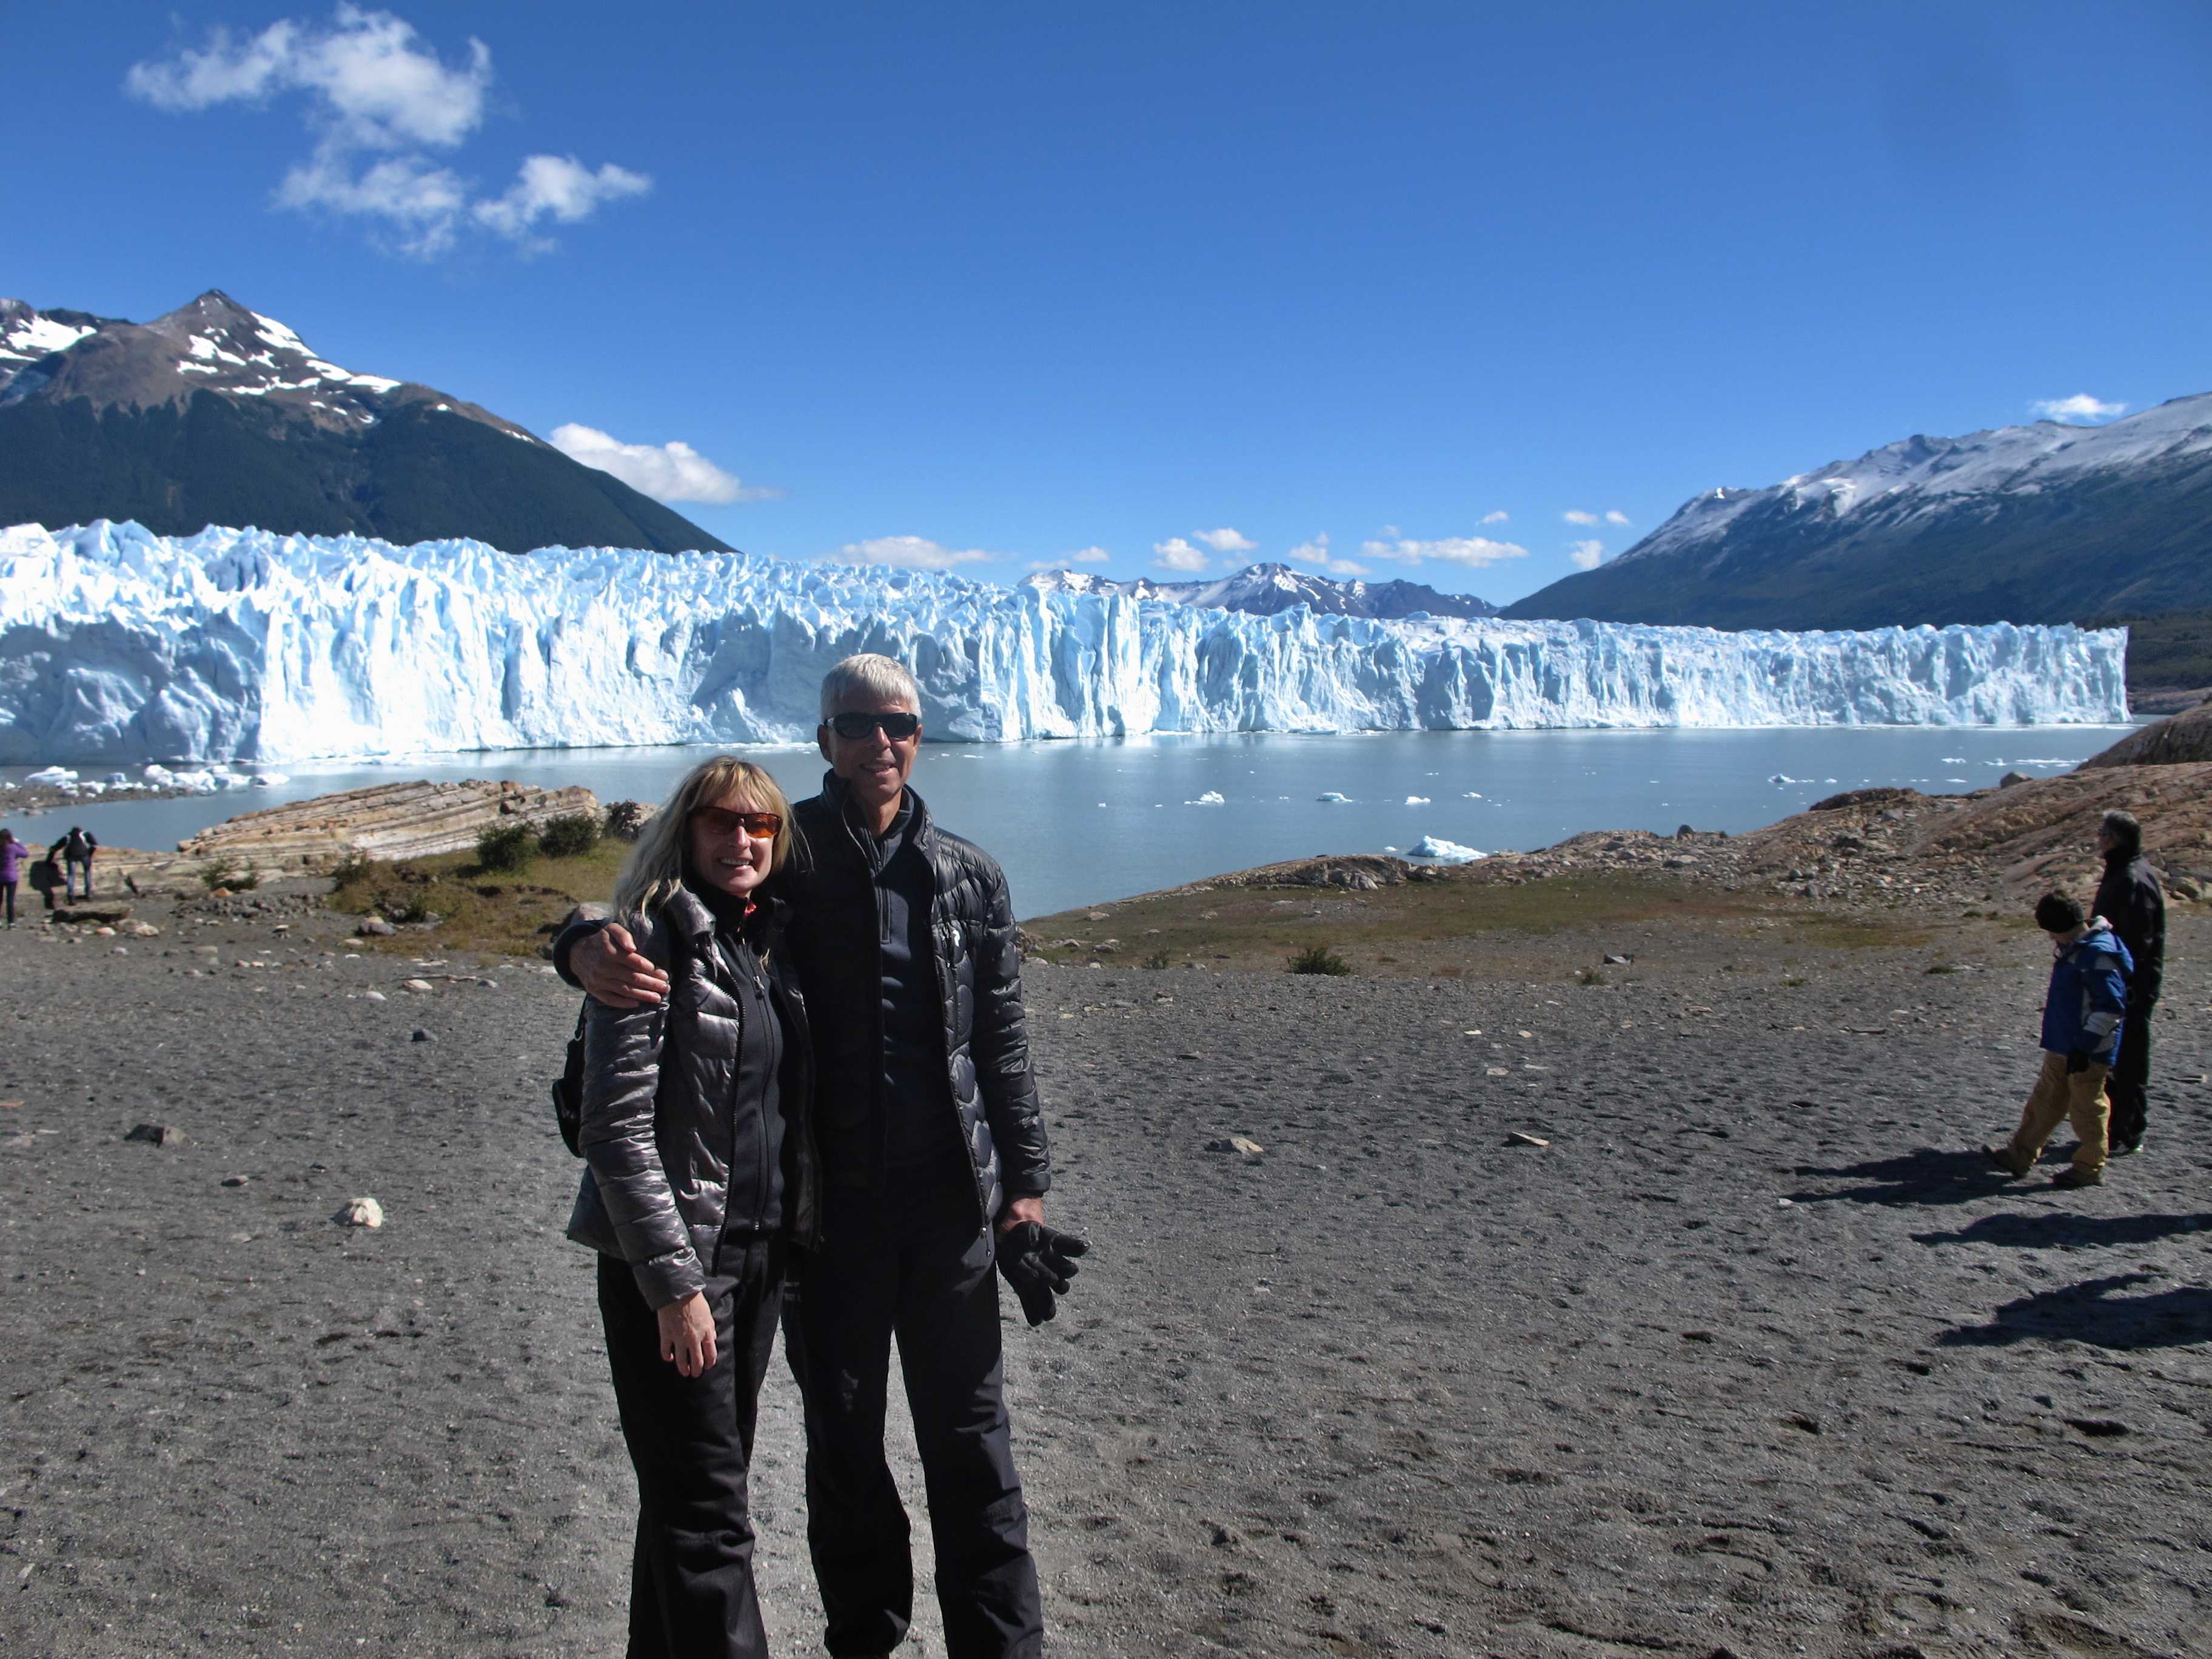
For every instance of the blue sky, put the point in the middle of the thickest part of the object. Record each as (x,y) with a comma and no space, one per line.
(1183,285)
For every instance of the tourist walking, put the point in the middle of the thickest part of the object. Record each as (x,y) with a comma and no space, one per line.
(700,1177)
(2084,1010)
(77,849)
(2130,899)
(13,853)
(936,1167)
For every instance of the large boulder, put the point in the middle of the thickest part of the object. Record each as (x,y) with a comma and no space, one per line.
(2187,737)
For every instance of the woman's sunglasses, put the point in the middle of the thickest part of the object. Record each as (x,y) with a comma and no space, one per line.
(853,725)
(721,821)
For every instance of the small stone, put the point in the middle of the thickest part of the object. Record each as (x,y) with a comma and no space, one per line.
(421,1034)
(376,926)
(1515,1138)
(1618,962)
(233,1181)
(103,933)
(373,996)
(361,1213)
(211,952)
(420,986)
(1236,1143)
(158,1135)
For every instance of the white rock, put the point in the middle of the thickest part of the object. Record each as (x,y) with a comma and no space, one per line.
(361,1213)
(417,985)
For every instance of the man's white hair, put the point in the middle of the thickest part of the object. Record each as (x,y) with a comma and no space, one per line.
(868,678)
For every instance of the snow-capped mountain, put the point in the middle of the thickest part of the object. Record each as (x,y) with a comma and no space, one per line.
(1263,590)
(116,644)
(216,414)
(2034,523)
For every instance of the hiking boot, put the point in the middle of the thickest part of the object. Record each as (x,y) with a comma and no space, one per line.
(2001,1159)
(2127,1148)
(2070,1176)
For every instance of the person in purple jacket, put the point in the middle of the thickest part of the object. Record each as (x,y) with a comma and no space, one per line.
(12,855)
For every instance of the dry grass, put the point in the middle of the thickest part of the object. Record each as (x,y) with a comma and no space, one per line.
(510,913)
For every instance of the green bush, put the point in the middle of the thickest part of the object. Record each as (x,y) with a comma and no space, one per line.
(625,819)
(570,836)
(1319,960)
(1157,959)
(213,876)
(506,846)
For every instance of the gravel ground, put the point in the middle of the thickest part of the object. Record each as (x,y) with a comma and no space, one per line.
(1752,1358)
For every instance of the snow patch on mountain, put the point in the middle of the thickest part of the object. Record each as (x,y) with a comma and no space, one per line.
(116,643)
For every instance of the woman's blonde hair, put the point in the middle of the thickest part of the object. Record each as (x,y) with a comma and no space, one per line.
(654,869)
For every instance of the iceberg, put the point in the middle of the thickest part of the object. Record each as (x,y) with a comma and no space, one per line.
(116,644)
(1441,851)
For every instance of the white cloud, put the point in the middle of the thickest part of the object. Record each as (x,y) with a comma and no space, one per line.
(1317,553)
(667,472)
(1476,552)
(1176,554)
(908,552)
(1088,555)
(558,187)
(2080,409)
(377,99)
(1225,540)
(1586,555)
(1578,516)
(1614,515)
(1499,516)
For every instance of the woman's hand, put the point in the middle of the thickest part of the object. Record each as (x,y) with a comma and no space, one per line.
(687,1334)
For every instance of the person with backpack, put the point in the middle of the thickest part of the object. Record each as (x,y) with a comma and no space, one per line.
(2084,1009)
(77,849)
(13,853)
(2131,900)
(701,1176)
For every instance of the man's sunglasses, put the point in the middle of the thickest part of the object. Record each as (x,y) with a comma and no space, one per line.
(853,726)
(721,821)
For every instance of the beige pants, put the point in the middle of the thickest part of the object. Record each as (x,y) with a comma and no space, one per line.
(2057,1095)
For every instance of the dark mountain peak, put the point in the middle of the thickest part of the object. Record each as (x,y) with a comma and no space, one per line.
(215,413)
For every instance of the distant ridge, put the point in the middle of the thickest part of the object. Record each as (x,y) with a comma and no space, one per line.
(2027,524)
(217,415)
(1264,590)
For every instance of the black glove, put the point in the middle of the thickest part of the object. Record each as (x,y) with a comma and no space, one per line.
(2077,1062)
(1038,1263)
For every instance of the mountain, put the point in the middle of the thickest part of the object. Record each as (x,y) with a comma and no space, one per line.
(1265,590)
(117,645)
(2040,523)
(215,415)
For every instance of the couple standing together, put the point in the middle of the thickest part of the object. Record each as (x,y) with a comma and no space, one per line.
(806,1093)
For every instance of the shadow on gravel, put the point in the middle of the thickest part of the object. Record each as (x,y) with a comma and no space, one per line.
(2090,1312)
(1928,1175)
(2060,1229)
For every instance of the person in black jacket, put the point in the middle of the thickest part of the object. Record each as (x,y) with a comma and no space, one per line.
(2129,898)
(936,1167)
(699,1175)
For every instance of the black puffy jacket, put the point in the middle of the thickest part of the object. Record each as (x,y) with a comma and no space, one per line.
(835,944)
(2129,897)
(664,1139)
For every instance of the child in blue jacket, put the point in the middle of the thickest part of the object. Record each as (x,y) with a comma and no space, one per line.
(2081,1014)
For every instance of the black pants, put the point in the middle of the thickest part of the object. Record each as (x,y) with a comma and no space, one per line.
(10,887)
(915,1266)
(691,1441)
(2128,1087)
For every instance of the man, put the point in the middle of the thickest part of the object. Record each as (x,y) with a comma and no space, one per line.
(935,1162)
(2082,1014)
(2130,899)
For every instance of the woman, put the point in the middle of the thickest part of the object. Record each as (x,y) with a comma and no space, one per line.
(12,855)
(700,1176)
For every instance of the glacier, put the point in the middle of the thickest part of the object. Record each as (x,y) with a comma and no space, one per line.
(118,644)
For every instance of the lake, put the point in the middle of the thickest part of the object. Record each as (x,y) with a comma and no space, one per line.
(1081,822)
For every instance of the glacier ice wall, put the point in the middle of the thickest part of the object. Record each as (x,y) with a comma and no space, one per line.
(118,644)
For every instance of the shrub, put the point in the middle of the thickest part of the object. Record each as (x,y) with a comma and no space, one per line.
(213,876)
(352,868)
(506,846)
(570,836)
(625,819)
(1319,960)
(1157,959)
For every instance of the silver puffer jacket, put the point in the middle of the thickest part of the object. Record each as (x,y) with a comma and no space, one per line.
(664,1136)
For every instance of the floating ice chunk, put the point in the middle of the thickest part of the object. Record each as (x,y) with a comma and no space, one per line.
(269,779)
(1784,778)
(54,775)
(1442,851)
(1210,797)
(1954,760)
(1417,800)
(1472,794)
(1333,798)
(117,777)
